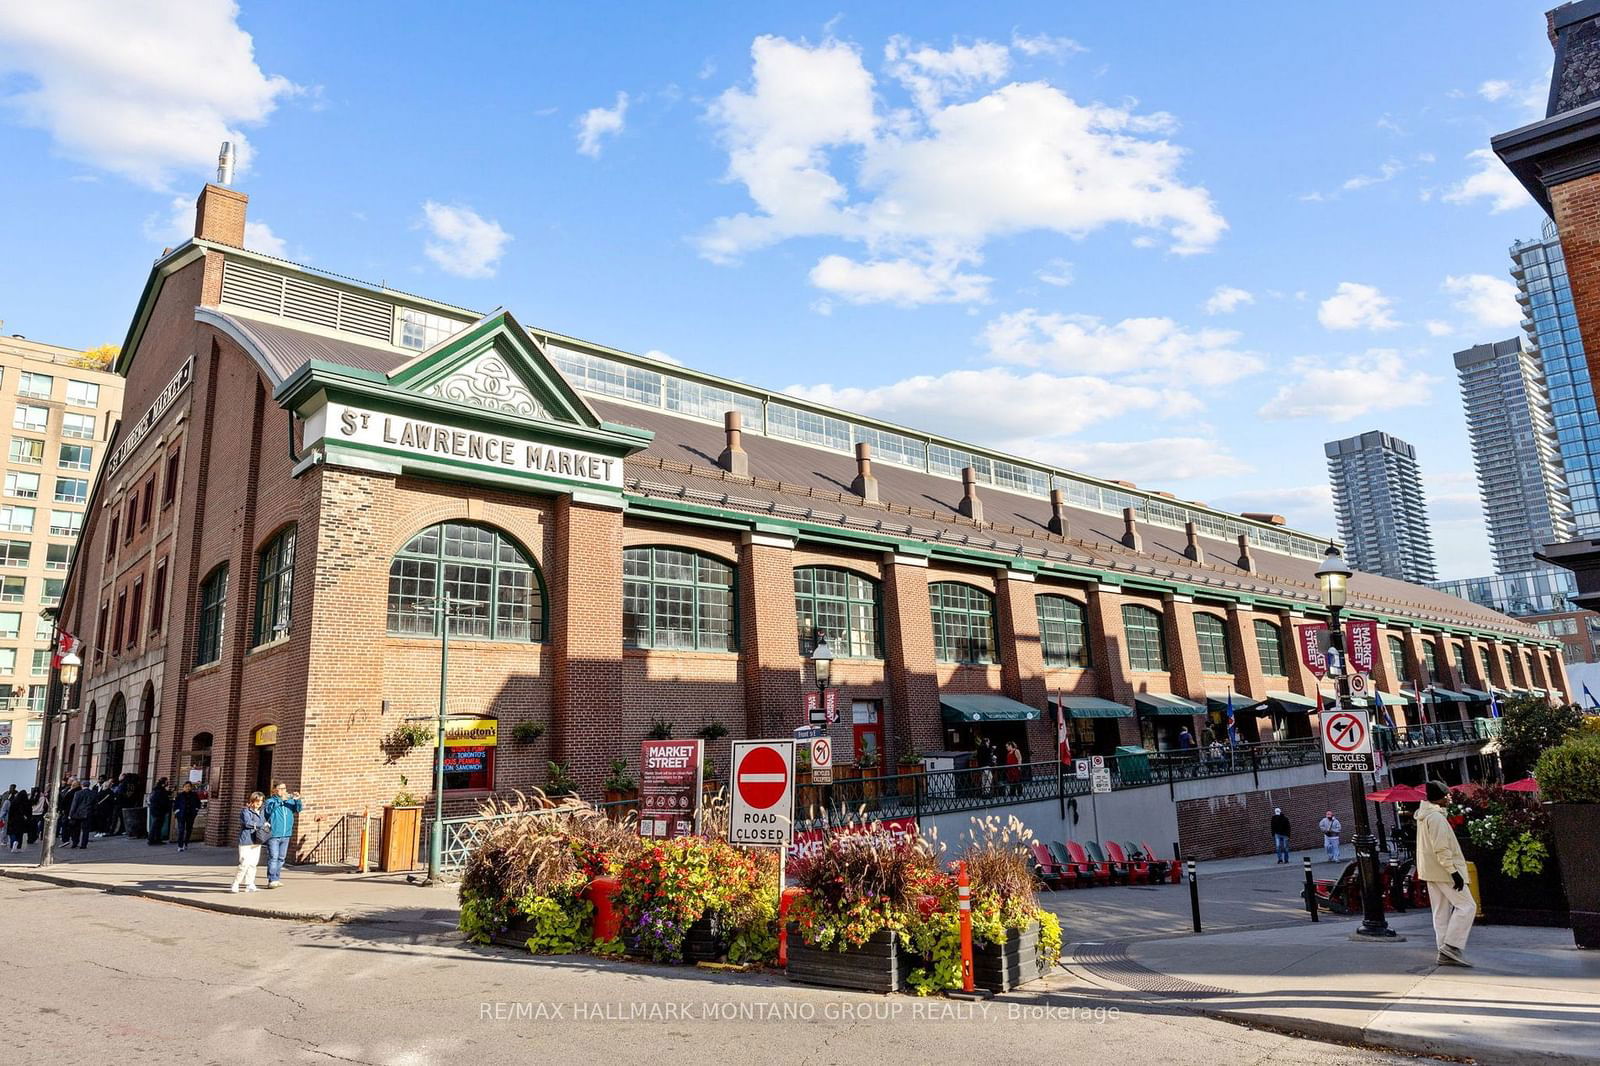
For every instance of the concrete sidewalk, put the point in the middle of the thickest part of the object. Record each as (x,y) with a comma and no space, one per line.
(1532,995)
(200,877)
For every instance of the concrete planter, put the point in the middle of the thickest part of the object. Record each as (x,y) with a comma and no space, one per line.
(1576,829)
(873,967)
(1532,899)
(706,941)
(1002,967)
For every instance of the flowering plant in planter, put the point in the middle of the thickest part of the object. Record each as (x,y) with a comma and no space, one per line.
(676,883)
(1511,825)
(858,884)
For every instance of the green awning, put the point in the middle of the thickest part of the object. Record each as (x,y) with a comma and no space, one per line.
(1159,703)
(1093,707)
(955,709)
(1396,697)
(1220,703)
(1538,692)
(1476,694)
(1446,695)
(1291,702)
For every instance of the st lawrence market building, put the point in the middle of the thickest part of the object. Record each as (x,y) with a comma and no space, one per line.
(311,474)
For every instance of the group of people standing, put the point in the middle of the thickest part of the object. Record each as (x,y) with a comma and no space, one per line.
(269,823)
(986,759)
(91,809)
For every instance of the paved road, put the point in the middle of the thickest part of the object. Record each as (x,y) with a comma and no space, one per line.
(96,978)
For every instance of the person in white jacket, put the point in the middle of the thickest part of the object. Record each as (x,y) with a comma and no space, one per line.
(1441,864)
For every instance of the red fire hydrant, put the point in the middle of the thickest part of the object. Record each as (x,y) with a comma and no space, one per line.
(602,892)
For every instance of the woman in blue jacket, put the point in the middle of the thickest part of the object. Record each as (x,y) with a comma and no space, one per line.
(281,809)
(252,834)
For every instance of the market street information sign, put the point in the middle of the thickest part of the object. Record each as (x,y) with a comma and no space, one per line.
(669,787)
(761,805)
(1360,644)
(1347,743)
(1309,638)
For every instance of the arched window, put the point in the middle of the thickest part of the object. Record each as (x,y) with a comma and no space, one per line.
(1211,633)
(840,605)
(1063,632)
(1460,655)
(1514,668)
(1397,657)
(674,598)
(963,623)
(116,741)
(274,585)
(1269,646)
(1141,628)
(87,766)
(494,589)
(1485,663)
(1430,662)
(213,615)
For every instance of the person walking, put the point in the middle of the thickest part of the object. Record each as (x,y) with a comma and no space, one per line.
(185,808)
(1013,768)
(253,832)
(160,807)
(63,798)
(1441,864)
(1330,835)
(19,820)
(79,807)
(281,809)
(1280,834)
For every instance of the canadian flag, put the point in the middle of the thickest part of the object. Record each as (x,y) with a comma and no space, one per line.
(65,643)
(1061,733)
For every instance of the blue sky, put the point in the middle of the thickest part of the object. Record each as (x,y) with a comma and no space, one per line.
(1183,248)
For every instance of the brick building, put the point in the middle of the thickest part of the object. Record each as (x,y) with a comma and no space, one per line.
(309,465)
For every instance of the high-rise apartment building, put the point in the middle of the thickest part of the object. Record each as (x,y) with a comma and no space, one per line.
(1520,477)
(1377,494)
(60,417)
(1540,271)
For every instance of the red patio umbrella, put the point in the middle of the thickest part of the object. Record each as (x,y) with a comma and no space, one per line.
(1527,784)
(1398,794)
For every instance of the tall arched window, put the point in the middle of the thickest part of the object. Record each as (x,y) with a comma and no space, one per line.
(213,615)
(274,587)
(1063,632)
(494,589)
(963,623)
(1430,663)
(1514,667)
(675,598)
(1141,628)
(1269,646)
(116,740)
(1211,633)
(1460,655)
(1397,657)
(1485,663)
(842,606)
(87,766)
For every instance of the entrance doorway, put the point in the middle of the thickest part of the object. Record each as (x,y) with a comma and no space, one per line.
(265,738)
(867,725)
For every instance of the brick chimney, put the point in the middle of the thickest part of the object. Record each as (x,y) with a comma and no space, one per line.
(1247,562)
(1263,516)
(219,215)
(1130,530)
(971,506)
(1193,550)
(864,485)
(1058,512)
(733,458)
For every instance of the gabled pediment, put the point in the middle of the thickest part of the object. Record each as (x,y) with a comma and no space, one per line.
(496,365)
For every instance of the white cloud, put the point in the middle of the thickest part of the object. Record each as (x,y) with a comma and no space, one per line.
(1386,172)
(1146,350)
(1158,460)
(598,123)
(1044,44)
(1356,306)
(461,241)
(902,282)
(1437,328)
(1358,385)
(1227,299)
(822,154)
(1492,181)
(148,91)
(1491,301)
(662,357)
(1494,90)
(1307,507)
(177,226)
(1531,95)
(1057,272)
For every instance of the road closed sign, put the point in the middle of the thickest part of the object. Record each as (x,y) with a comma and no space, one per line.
(761,806)
(1347,742)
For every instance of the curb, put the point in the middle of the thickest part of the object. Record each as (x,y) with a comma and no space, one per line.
(221,907)
(1340,1033)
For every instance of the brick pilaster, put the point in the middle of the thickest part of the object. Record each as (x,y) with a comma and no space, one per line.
(1242,647)
(1022,655)
(1575,205)
(1108,646)
(1183,648)
(585,578)
(908,639)
(773,672)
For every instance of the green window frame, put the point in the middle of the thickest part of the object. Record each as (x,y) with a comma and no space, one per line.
(1269,649)
(679,600)
(1211,633)
(1063,631)
(495,589)
(963,623)
(1142,630)
(1486,664)
(1397,658)
(1430,663)
(843,606)
(212,620)
(274,587)
(1459,654)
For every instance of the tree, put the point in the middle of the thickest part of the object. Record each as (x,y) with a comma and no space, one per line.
(99,358)
(1529,725)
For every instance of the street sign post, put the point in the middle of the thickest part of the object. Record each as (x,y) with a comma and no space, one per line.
(1097,762)
(821,761)
(1100,780)
(1359,685)
(1080,767)
(1347,743)
(761,804)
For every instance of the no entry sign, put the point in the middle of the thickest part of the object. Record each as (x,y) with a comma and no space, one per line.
(1347,742)
(761,807)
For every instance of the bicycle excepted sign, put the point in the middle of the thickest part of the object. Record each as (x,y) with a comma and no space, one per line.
(1347,742)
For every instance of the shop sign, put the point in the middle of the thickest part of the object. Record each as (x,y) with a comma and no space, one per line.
(471,733)
(266,736)
(670,782)
(141,429)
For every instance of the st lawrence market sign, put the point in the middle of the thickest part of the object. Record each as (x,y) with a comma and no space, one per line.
(377,431)
(141,429)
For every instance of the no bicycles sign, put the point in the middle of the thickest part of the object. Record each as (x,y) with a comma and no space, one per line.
(1347,742)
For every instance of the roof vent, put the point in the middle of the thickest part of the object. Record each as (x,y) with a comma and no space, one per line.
(733,458)
(1130,530)
(1247,562)
(864,485)
(970,506)
(1058,512)
(225,164)
(1193,550)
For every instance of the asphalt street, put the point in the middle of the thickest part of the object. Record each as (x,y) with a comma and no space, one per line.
(96,978)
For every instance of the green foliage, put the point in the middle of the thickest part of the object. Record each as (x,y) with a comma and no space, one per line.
(559,778)
(481,917)
(619,781)
(613,948)
(713,732)
(1570,772)
(1529,726)
(937,939)
(526,732)
(1049,941)
(560,923)
(405,797)
(660,729)
(1525,855)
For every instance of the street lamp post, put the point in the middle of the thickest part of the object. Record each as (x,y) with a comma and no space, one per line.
(441,610)
(1333,576)
(822,666)
(68,676)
